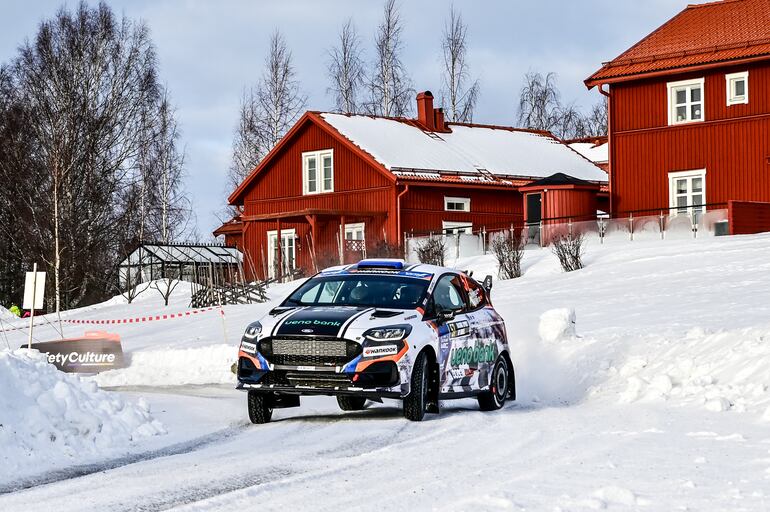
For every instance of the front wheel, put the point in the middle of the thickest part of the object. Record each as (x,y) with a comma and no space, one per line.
(351,403)
(498,388)
(414,403)
(259,407)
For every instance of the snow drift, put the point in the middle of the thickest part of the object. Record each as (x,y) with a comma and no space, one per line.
(47,416)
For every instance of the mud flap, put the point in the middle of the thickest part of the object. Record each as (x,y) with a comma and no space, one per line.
(280,401)
(433,388)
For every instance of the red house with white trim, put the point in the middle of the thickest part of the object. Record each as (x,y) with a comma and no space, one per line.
(689,115)
(368,180)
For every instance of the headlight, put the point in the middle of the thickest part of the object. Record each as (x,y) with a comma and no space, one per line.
(253,330)
(390,333)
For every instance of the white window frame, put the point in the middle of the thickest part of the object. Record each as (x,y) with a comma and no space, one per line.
(673,177)
(272,239)
(730,80)
(350,229)
(464,201)
(464,227)
(320,181)
(672,87)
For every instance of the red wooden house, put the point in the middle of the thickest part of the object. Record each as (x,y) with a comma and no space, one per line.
(689,115)
(338,184)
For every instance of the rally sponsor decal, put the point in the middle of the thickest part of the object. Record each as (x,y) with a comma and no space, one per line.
(473,355)
(250,348)
(459,329)
(380,351)
(320,321)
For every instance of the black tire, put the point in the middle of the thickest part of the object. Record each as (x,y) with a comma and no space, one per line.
(351,403)
(494,399)
(414,403)
(259,408)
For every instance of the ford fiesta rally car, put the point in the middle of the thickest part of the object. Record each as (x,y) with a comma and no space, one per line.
(379,329)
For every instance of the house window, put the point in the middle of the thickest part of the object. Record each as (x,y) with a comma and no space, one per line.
(355,231)
(687,191)
(737,88)
(451,228)
(685,102)
(288,249)
(457,204)
(318,172)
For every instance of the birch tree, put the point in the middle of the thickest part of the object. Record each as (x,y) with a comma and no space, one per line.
(346,70)
(84,99)
(539,102)
(390,88)
(267,111)
(458,96)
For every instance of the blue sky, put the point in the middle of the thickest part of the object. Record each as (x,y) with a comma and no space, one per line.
(210,50)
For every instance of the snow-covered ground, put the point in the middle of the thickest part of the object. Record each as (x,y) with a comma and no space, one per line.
(656,398)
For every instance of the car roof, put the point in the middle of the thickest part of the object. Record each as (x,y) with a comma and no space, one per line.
(388,266)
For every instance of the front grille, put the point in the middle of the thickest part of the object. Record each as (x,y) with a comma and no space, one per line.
(318,380)
(309,351)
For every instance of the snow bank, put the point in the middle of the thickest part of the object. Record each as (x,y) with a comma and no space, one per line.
(720,371)
(7,315)
(49,418)
(557,324)
(174,367)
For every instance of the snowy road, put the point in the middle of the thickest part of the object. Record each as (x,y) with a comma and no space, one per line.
(574,457)
(662,402)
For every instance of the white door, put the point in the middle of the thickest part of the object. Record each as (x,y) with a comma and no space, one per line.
(288,248)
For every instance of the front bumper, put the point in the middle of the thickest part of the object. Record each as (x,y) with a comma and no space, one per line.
(380,379)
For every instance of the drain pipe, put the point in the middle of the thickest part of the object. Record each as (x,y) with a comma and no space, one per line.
(398,212)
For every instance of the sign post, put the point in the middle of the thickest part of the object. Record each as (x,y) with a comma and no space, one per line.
(34,290)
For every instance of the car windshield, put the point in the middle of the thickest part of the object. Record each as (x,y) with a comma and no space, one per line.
(379,291)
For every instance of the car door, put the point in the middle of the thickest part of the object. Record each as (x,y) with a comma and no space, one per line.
(454,333)
(487,332)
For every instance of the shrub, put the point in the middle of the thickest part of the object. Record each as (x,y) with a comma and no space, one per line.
(569,249)
(385,250)
(508,248)
(432,251)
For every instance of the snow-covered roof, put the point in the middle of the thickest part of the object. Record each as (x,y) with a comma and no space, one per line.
(183,254)
(597,153)
(399,145)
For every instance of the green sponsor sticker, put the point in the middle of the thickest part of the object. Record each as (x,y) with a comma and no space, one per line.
(480,353)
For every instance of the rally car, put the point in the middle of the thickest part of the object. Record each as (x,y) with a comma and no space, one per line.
(379,329)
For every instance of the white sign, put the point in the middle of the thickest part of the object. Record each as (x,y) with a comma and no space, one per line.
(34,286)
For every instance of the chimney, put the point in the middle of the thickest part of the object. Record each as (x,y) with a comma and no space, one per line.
(425,115)
(438,120)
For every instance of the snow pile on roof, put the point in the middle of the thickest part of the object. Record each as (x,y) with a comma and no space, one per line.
(506,152)
(597,153)
(47,415)
(175,367)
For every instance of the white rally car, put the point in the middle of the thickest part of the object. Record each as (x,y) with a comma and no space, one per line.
(379,329)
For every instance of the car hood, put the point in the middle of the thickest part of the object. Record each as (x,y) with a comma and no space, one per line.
(337,321)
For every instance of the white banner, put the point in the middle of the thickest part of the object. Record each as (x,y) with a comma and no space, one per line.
(34,286)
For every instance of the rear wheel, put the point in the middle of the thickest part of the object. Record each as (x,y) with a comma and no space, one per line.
(414,403)
(351,403)
(259,407)
(498,388)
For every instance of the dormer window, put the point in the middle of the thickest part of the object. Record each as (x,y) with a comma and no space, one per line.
(685,102)
(737,88)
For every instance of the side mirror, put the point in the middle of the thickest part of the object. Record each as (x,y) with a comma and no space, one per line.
(445,315)
(487,284)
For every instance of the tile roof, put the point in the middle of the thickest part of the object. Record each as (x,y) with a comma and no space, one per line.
(701,34)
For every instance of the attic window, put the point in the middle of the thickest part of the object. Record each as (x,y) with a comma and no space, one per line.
(737,88)
(457,204)
(685,102)
(317,172)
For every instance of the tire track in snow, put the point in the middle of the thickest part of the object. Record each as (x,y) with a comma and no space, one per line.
(88,469)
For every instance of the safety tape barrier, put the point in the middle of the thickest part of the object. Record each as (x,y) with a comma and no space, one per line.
(112,321)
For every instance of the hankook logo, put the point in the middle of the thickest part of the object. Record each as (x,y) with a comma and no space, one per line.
(380,351)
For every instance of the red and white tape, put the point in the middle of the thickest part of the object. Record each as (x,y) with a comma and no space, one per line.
(112,321)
